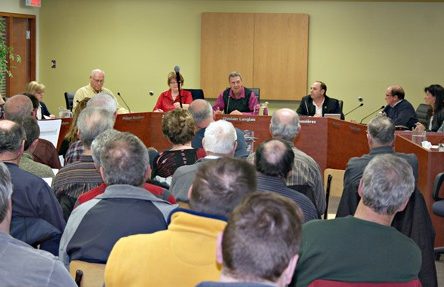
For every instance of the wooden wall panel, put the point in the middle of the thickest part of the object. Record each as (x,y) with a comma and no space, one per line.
(280,55)
(226,45)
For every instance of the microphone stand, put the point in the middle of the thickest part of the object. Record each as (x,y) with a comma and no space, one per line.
(178,86)
(118,93)
(371,114)
(357,107)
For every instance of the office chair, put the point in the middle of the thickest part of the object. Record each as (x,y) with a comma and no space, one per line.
(69,98)
(87,274)
(334,183)
(196,93)
(438,207)
(423,113)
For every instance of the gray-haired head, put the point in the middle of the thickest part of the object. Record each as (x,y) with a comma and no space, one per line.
(124,160)
(99,142)
(5,191)
(103,101)
(387,184)
(285,124)
(274,157)
(92,122)
(234,74)
(220,138)
(12,136)
(381,130)
(17,108)
(200,111)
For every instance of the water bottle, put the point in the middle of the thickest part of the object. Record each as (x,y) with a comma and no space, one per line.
(265,110)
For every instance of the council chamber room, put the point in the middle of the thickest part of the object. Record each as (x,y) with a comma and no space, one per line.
(138,137)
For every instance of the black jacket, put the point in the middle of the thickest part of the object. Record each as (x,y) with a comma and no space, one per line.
(330,106)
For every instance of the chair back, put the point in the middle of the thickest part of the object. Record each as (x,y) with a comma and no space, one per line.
(423,113)
(87,274)
(196,93)
(69,98)
(438,206)
(341,105)
(334,185)
(331,283)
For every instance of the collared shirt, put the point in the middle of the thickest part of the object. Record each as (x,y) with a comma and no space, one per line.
(220,104)
(88,92)
(319,108)
(74,152)
(165,101)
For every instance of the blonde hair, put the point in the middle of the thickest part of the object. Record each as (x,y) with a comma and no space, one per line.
(34,87)
(71,135)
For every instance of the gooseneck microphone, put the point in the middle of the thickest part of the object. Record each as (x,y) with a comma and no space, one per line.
(375,111)
(360,100)
(123,100)
(177,70)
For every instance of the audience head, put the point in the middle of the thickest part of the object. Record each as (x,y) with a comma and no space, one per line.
(5,196)
(99,142)
(32,131)
(274,158)
(221,184)
(235,80)
(435,97)
(318,90)
(387,184)
(261,240)
(35,102)
(37,89)
(380,131)
(12,137)
(220,138)
(71,135)
(202,112)
(92,122)
(97,79)
(178,126)
(18,107)
(124,160)
(103,101)
(285,125)
(394,94)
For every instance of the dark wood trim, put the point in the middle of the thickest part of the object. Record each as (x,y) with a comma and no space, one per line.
(16,15)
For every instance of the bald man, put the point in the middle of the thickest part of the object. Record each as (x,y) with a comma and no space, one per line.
(398,109)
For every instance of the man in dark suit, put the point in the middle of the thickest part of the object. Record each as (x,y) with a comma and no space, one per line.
(398,109)
(317,103)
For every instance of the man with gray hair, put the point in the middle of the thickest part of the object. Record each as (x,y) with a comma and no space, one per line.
(81,176)
(202,114)
(125,208)
(305,174)
(95,86)
(21,264)
(363,247)
(415,221)
(219,141)
(37,217)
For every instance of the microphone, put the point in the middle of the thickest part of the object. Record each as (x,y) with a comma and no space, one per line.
(118,93)
(150,93)
(177,70)
(360,100)
(371,114)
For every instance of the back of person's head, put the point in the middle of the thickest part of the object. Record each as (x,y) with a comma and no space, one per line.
(178,126)
(200,110)
(32,130)
(262,236)
(92,122)
(436,91)
(124,160)
(5,191)
(220,138)
(387,184)
(71,135)
(17,108)
(381,130)
(221,184)
(103,101)
(274,158)
(12,136)
(398,91)
(98,144)
(285,124)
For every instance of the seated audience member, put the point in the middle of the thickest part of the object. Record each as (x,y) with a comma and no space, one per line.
(187,249)
(203,116)
(20,264)
(260,245)
(363,247)
(37,217)
(178,127)
(124,208)
(317,103)
(414,221)
(219,141)
(38,90)
(32,132)
(71,147)
(398,109)
(237,99)
(305,172)
(434,96)
(274,159)
(97,148)
(81,176)
(19,107)
(95,87)
(170,100)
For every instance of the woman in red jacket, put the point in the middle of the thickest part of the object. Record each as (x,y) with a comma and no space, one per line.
(170,100)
